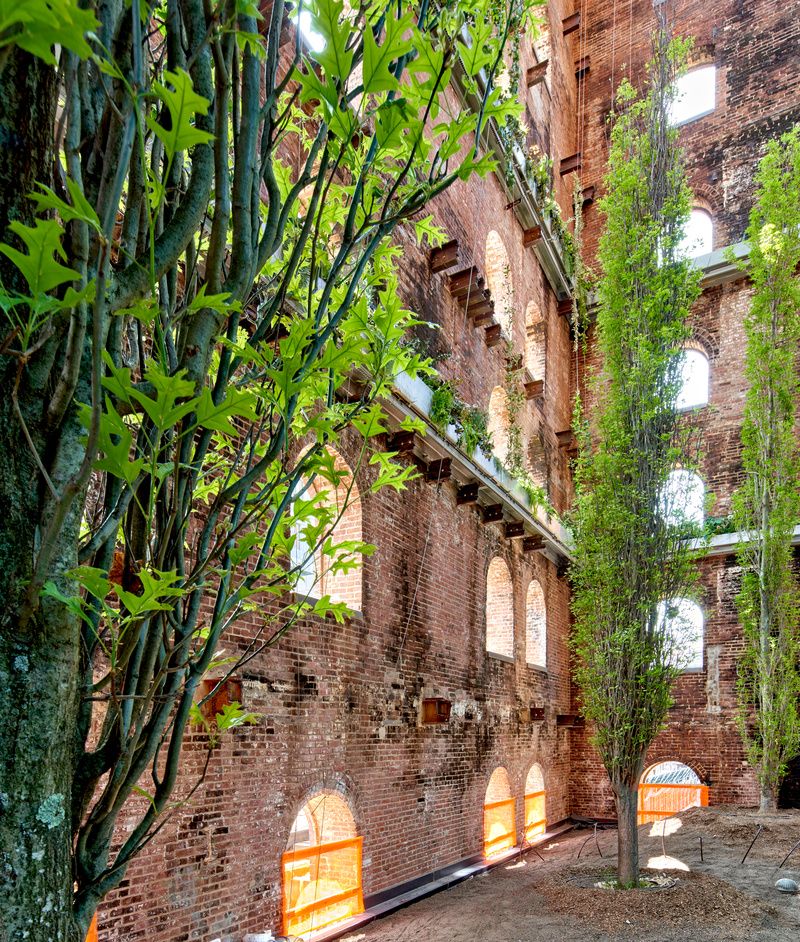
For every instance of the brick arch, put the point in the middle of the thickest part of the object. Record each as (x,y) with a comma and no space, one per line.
(535,341)
(668,755)
(498,787)
(337,785)
(703,340)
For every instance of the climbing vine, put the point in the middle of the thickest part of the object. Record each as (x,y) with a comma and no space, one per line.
(767,506)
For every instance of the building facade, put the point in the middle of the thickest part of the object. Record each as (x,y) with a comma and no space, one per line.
(449,689)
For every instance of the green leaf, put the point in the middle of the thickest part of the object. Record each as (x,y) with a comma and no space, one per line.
(182,103)
(376,75)
(80,208)
(38,267)
(329,20)
(218,415)
(39,25)
(478,54)
(158,593)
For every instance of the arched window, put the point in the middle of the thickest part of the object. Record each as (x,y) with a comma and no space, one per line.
(499,609)
(682,620)
(499,827)
(305,23)
(668,788)
(535,626)
(684,498)
(335,572)
(497,425)
(698,236)
(694,378)
(498,281)
(534,341)
(695,95)
(535,803)
(321,866)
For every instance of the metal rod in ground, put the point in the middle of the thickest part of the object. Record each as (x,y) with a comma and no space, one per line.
(596,842)
(791,851)
(701,848)
(760,829)
(582,846)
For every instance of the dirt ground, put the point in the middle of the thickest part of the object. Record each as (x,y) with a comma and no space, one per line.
(555,900)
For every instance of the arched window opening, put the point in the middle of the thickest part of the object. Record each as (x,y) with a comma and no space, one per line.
(321,867)
(498,423)
(695,95)
(499,609)
(535,626)
(498,281)
(684,498)
(499,828)
(668,788)
(694,380)
(698,236)
(535,803)
(682,621)
(331,569)
(535,352)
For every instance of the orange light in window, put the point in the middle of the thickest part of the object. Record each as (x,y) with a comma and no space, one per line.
(91,935)
(321,885)
(499,831)
(535,815)
(662,800)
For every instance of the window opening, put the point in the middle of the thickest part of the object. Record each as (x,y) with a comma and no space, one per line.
(535,341)
(498,281)
(684,498)
(668,788)
(694,380)
(499,829)
(695,95)
(535,626)
(682,620)
(499,609)
(698,236)
(321,867)
(498,423)
(535,803)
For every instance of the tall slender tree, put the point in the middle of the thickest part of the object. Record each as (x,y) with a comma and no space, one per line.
(767,506)
(631,556)
(196,258)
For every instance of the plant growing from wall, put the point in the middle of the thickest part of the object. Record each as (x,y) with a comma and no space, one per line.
(629,557)
(471,423)
(767,506)
(196,259)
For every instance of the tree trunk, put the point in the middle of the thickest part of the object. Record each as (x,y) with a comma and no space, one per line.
(627,835)
(767,801)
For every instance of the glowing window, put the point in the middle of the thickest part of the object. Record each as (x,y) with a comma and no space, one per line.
(684,498)
(499,609)
(499,828)
(535,803)
(698,237)
(695,95)
(535,626)
(321,867)
(668,788)
(693,390)
(682,620)
(498,281)
(498,423)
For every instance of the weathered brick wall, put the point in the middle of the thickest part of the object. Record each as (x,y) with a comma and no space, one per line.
(341,704)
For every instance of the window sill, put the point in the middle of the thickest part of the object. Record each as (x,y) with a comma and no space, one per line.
(500,657)
(540,668)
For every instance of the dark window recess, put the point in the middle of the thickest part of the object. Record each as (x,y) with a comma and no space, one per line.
(435,710)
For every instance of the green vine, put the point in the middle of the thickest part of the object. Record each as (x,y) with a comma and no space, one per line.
(471,423)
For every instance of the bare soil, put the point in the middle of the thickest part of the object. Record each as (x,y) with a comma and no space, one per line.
(718,899)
